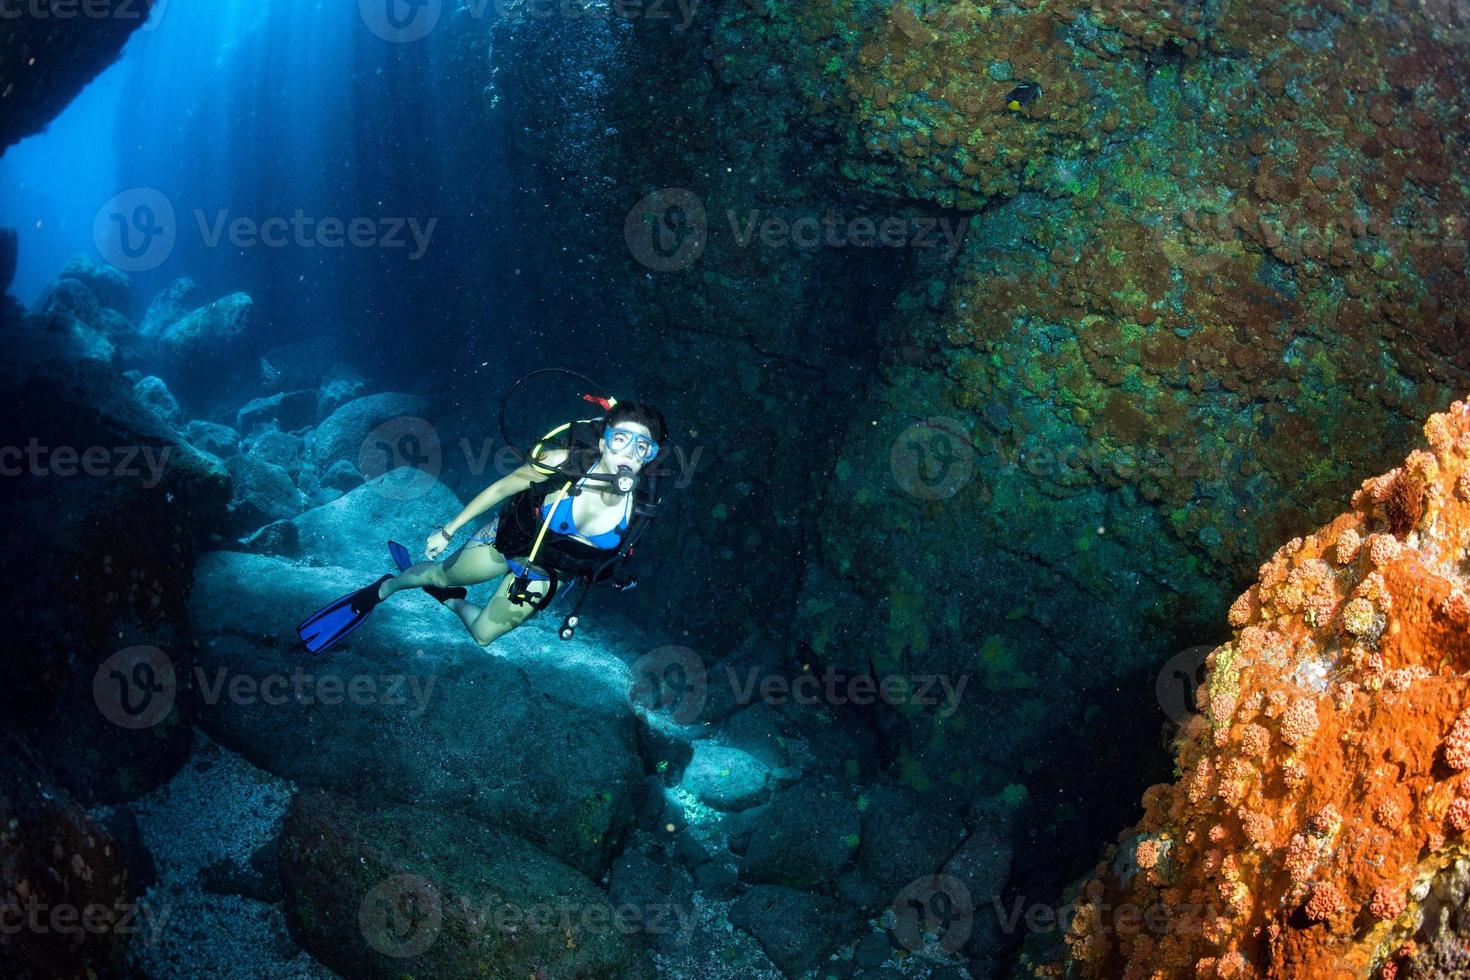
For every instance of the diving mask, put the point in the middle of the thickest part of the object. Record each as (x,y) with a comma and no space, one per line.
(620,440)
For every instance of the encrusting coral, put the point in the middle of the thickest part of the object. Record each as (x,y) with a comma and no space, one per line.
(1324,792)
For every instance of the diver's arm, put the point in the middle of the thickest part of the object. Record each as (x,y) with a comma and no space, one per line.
(504,488)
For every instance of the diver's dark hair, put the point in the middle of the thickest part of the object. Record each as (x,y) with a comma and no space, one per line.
(642,414)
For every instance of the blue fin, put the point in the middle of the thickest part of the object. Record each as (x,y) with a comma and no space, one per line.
(400,554)
(338,618)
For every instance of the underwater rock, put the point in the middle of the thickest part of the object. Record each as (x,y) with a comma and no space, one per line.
(207,345)
(727,778)
(796,929)
(808,834)
(111,286)
(70,297)
(353,531)
(9,257)
(57,865)
(536,735)
(904,837)
(277,538)
(342,476)
(341,385)
(170,305)
(664,891)
(46,60)
(393,891)
(105,518)
(277,448)
(263,492)
(211,437)
(301,364)
(154,395)
(1324,791)
(289,411)
(342,435)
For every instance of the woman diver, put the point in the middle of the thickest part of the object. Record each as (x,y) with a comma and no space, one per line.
(583,528)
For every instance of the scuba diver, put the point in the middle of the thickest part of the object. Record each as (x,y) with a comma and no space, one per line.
(572,511)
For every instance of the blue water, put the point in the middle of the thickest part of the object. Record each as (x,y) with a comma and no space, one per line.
(286,117)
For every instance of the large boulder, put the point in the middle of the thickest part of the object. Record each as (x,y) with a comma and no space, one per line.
(65,881)
(344,433)
(111,286)
(796,928)
(808,834)
(904,837)
(106,520)
(153,394)
(726,778)
(172,304)
(537,735)
(353,530)
(263,492)
(208,344)
(395,891)
(213,438)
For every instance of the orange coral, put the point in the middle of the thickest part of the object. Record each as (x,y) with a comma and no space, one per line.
(1457,742)
(1346,696)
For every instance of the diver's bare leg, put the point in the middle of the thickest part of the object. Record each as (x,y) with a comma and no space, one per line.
(470,566)
(499,617)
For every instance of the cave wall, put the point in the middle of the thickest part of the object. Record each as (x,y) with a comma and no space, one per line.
(50,50)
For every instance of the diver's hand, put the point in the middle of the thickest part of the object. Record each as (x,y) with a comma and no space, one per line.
(434,547)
